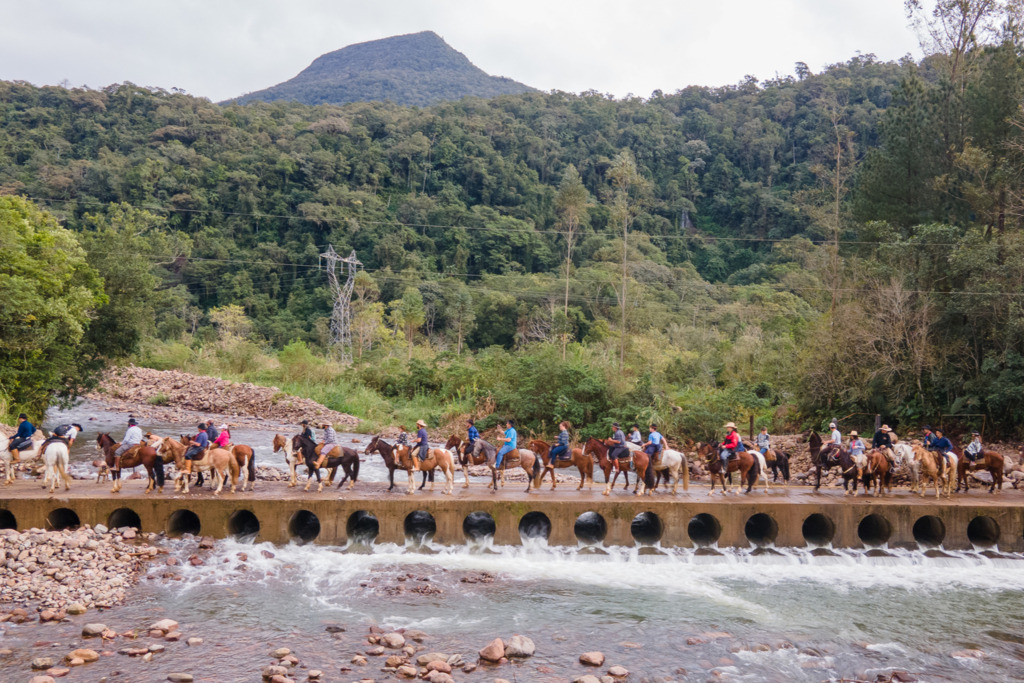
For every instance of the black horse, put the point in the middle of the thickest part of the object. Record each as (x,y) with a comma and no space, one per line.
(780,465)
(828,456)
(348,460)
(387,452)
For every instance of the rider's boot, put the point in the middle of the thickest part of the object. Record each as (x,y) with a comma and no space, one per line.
(15,456)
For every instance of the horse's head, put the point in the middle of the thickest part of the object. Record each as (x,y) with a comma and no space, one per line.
(453,442)
(279,442)
(372,446)
(538,446)
(103,441)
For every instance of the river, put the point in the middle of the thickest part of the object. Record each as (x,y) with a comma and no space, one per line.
(680,616)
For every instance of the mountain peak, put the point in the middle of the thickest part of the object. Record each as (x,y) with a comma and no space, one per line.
(412,69)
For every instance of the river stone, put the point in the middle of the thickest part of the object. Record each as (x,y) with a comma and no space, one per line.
(84,654)
(413,634)
(439,677)
(502,680)
(443,667)
(358,660)
(41,679)
(57,672)
(179,678)
(280,652)
(273,670)
(76,661)
(406,671)
(394,661)
(592,658)
(519,646)
(43,663)
(392,640)
(164,625)
(375,651)
(588,678)
(607,679)
(315,673)
(281,679)
(618,672)
(76,608)
(429,657)
(494,651)
(192,642)
(93,630)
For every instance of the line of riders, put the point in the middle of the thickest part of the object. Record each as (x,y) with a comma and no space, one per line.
(613,450)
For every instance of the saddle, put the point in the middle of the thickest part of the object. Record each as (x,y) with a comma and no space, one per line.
(567,455)
(53,438)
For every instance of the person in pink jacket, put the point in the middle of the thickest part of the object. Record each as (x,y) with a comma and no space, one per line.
(223,439)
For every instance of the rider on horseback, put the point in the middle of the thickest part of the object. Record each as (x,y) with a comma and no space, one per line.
(857,445)
(618,449)
(132,437)
(763,441)
(942,447)
(973,450)
(882,440)
(307,431)
(561,447)
(22,440)
(329,444)
(654,444)
(65,433)
(730,445)
(510,440)
(223,438)
(472,434)
(422,446)
(196,447)
(634,435)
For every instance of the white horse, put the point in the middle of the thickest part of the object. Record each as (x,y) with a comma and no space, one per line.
(292,457)
(23,455)
(904,460)
(56,459)
(762,464)
(676,464)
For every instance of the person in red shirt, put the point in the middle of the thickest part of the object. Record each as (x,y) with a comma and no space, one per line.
(729,444)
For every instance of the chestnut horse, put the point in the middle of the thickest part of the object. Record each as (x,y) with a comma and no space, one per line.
(744,463)
(584,463)
(929,468)
(594,447)
(223,465)
(391,456)
(990,461)
(878,471)
(437,458)
(246,458)
(144,454)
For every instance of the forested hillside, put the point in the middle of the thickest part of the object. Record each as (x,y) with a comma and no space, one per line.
(822,244)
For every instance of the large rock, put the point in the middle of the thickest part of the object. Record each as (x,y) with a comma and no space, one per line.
(76,608)
(587,678)
(494,651)
(592,658)
(618,672)
(41,679)
(392,640)
(164,625)
(519,646)
(84,654)
(93,630)
(429,657)
(40,663)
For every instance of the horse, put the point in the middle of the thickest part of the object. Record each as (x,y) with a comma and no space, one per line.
(671,465)
(595,447)
(246,458)
(743,462)
(223,465)
(879,472)
(310,451)
(778,461)
(903,459)
(485,455)
(928,466)
(762,467)
(821,459)
(437,458)
(584,463)
(291,458)
(23,455)
(389,454)
(142,454)
(56,459)
(990,461)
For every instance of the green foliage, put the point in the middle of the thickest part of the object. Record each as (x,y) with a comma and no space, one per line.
(49,293)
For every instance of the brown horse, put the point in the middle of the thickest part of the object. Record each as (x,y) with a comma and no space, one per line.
(878,471)
(437,458)
(744,463)
(219,461)
(391,456)
(584,463)
(246,459)
(466,457)
(599,449)
(929,467)
(990,462)
(143,454)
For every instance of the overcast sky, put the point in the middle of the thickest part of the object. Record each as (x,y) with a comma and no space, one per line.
(222,48)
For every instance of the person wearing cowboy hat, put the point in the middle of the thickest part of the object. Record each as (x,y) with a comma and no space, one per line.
(328,445)
(929,442)
(730,445)
(857,445)
(882,440)
(974,449)
(422,448)
(132,437)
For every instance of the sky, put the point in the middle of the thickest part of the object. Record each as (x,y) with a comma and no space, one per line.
(224,48)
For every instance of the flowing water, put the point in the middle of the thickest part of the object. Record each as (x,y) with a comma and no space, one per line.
(681,615)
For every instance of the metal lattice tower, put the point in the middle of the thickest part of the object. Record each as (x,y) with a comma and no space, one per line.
(341,316)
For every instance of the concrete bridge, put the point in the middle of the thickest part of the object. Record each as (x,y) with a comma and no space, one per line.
(784,517)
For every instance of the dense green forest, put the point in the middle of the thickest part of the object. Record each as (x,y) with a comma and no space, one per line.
(817,245)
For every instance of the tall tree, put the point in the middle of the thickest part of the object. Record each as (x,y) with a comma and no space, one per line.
(409,313)
(571,204)
(629,190)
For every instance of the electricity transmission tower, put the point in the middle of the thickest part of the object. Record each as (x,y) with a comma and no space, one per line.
(341,317)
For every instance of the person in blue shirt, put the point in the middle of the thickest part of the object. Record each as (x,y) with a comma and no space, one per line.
(510,440)
(655,442)
(422,446)
(22,439)
(472,434)
(940,446)
(196,447)
(561,447)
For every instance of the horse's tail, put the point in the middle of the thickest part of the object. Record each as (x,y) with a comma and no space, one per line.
(649,475)
(686,474)
(355,469)
(536,469)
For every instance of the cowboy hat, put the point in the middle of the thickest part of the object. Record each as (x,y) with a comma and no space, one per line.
(131,421)
(885,428)
(854,433)
(421,423)
(223,426)
(730,425)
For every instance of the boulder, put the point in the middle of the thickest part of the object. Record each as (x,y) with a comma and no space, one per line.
(40,663)
(93,630)
(392,640)
(588,678)
(273,670)
(280,652)
(406,671)
(494,651)
(618,672)
(443,667)
(519,646)
(41,679)
(429,657)
(592,658)
(76,608)
(84,654)
(394,661)
(164,625)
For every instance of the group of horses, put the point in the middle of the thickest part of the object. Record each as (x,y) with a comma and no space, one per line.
(872,468)
(923,467)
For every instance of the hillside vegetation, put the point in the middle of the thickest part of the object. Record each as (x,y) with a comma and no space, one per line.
(820,245)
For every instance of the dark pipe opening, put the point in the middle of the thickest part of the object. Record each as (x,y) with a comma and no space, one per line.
(63,518)
(478,526)
(818,529)
(243,525)
(983,532)
(362,527)
(874,530)
(646,528)
(761,529)
(183,522)
(420,526)
(124,517)
(304,527)
(704,530)
(7,520)
(535,525)
(590,528)
(929,531)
